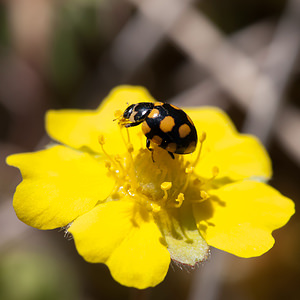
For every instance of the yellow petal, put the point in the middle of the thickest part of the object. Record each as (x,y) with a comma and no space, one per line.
(185,244)
(80,129)
(59,184)
(237,156)
(124,237)
(213,121)
(123,96)
(240,217)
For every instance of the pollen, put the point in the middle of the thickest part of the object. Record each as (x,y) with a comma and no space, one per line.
(165,186)
(118,114)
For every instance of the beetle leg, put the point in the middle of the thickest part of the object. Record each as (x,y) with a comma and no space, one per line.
(171,154)
(133,124)
(148,145)
(150,149)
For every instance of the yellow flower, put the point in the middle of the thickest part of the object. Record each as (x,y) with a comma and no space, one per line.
(135,213)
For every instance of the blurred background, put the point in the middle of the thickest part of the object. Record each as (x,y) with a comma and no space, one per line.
(242,56)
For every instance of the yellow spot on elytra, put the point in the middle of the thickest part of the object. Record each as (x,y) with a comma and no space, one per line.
(175,107)
(171,147)
(131,118)
(145,128)
(158,103)
(191,148)
(167,124)
(154,113)
(184,130)
(156,139)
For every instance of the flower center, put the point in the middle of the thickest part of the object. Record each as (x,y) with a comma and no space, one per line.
(154,179)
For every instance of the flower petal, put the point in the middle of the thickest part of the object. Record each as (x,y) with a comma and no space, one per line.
(80,129)
(185,244)
(240,157)
(213,121)
(59,184)
(240,217)
(237,156)
(123,235)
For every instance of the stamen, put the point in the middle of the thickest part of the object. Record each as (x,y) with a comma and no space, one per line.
(204,195)
(179,200)
(188,171)
(101,140)
(118,159)
(165,186)
(202,138)
(128,137)
(141,138)
(188,239)
(197,181)
(130,149)
(190,167)
(155,207)
(215,171)
(113,172)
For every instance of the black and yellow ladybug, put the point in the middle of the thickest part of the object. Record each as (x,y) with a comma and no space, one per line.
(163,124)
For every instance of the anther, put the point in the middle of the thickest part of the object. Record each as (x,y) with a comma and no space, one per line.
(101,139)
(189,170)
(215,171)
(165,186)
(115,196)
(131,170)
(202,137)
(108,164)
(203,195)
(155,207)
(130,148)
(127,186)
(197,181)
(179,200)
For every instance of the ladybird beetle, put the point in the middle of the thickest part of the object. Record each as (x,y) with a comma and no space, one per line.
(163,124)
